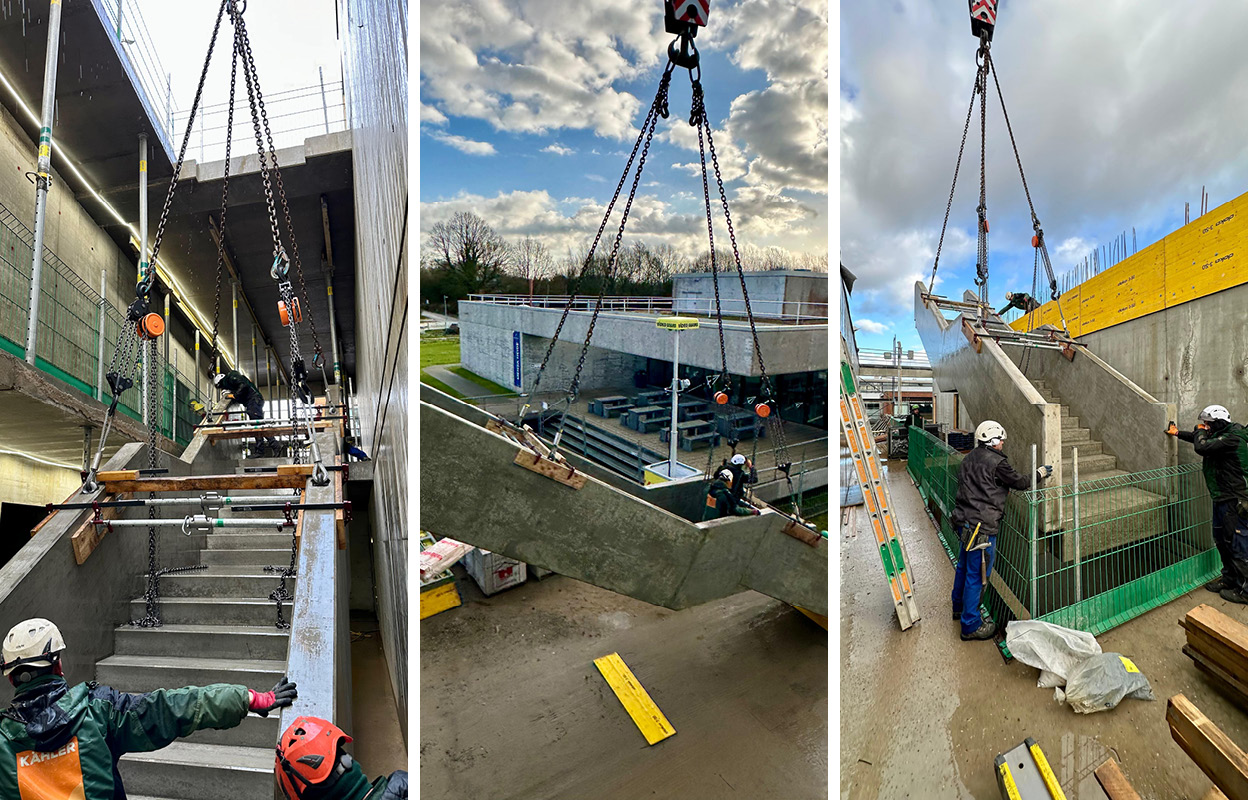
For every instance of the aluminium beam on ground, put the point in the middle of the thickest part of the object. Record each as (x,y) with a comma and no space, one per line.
(43,175)
(876,496)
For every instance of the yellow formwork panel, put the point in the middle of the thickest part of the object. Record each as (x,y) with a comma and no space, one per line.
(1130,289)
(1208,255)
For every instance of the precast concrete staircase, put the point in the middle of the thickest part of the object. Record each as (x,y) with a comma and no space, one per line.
(219,627)
(1110,517)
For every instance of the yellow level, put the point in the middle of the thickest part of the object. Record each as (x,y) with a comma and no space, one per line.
(439,599)
(646,715)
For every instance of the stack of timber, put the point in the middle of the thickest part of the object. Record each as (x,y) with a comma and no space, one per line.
(1219,647)
(1212,750)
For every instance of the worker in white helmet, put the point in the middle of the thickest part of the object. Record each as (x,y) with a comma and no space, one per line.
(721,503)
(984,481)
(1223,445)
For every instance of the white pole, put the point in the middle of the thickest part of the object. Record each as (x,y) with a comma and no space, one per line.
(671,463)
(1074,463)
(1035,538)
(144,267)
(43,173)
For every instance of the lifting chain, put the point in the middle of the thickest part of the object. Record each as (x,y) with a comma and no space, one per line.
(981,88)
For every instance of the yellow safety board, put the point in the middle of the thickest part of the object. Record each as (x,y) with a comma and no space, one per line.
(677,323)
(646,715)
(1050,780)
(1011,789)
(439,599)
(1206,256)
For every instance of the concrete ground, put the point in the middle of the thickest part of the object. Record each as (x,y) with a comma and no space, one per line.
(379,745)
(512,706)
(928,713)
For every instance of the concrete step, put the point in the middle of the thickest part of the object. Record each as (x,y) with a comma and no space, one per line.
(213,610)
(1090,447)
(260,642)
(246,557)
(145,673)
(1075,434)
(201,772)
(251,540)
(255,584)
(1093,476)
(1090,464)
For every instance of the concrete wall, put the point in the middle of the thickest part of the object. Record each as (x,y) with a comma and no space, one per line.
(773,293)
(23,480)
(786,348)
(1192,355)
(374,42)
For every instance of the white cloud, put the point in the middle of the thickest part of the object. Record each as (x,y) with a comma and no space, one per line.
(558,149)
(464,145)
(432,116)
(870,326)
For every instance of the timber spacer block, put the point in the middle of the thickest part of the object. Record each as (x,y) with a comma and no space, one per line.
(560,473)
(802,533)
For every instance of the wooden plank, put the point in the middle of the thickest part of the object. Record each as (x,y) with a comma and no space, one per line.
(340,515)
(550,469)
(802,533)
(86,537)
(636,701)
(221,434)
(1218,626)
(1235,689)
(117,475)
(72,495)
(1115,784)
(1211,749)
(303,498)
(295,469)
(1214,793)
(1218,653)
(207,483)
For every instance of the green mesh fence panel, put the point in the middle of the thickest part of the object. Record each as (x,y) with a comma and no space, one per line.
(1089,559)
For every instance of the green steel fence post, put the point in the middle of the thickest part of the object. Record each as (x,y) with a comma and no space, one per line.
(1035,539)
(1074,463)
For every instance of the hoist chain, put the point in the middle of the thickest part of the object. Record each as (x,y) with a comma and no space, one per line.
(281,595)
(225,197)
(981,86)
(657,106)
(970,109)
(698,118)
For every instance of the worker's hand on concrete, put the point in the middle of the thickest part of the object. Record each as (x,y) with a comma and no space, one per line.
(282,695)
(1173,430)
(1045,471)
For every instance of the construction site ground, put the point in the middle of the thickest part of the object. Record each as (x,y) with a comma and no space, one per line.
(923,714)
(512,706)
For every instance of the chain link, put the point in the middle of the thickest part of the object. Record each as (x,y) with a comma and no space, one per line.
(966,128)
(981,260)
(225,198)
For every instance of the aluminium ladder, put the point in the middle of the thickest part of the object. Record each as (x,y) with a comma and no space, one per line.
(876,496)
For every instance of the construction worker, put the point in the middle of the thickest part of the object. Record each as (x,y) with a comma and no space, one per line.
(720,502)
(248,396)
(311,763)
(984,481)
(1224,447)
(62,742)
(743,473)
(1020,300)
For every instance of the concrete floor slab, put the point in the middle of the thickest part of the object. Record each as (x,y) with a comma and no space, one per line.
(928,713)
(512,707)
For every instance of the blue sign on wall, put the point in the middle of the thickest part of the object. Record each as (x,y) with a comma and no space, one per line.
(515,358)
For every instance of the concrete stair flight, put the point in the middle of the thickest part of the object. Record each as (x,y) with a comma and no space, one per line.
(219,627)
(1112,517)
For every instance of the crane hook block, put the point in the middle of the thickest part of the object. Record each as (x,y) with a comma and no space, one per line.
(680,15)
(151,326)
(1035,241)
(763,410)
(290,313)
(983,18)
(721,398)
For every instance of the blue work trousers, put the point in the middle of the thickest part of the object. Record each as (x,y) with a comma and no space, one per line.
(974,569)
(1230,534)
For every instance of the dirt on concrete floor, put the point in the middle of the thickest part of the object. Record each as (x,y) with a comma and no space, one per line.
(379,745)
(928,713)
(512,706)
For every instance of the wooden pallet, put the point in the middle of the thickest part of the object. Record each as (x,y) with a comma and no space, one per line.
(1218,645)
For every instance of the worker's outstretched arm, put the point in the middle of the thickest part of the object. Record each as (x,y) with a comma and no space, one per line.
(150,721)
(1007,476)
(1207,443)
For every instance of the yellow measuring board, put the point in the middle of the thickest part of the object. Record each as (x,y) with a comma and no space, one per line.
(646,715)
(439,599)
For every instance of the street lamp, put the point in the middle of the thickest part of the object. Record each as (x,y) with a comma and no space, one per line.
(673,469)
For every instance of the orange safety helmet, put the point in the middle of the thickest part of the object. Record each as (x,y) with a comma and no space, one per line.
(307,754)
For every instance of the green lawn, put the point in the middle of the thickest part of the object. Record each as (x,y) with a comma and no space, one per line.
(441,350)
(439,385)
(488,385)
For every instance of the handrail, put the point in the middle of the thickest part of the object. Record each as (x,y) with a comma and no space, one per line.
(797,311)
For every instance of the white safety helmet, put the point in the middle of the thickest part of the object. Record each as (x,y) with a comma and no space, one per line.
(216,379)
(1212,413)
(725,474)
(34,643)
(738,459)
(989,432)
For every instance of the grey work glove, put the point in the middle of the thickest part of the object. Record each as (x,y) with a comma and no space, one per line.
(282,695)
(1045,471)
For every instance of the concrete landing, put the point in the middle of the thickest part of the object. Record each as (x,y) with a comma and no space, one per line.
(472,491)
(929,712)
(512,707)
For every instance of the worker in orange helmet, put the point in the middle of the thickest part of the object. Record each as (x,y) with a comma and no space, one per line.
(311,764)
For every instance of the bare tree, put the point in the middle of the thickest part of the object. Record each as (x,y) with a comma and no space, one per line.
(531,260)
(470,251)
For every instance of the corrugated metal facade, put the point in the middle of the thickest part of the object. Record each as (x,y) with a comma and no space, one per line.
(374,36)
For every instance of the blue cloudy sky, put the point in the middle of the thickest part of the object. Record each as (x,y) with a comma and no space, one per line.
(1122,111)
(528,109)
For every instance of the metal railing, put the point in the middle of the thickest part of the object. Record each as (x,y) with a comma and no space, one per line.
(294,114)
(73,318)
(1091,556)
(791,311)
(126,24)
